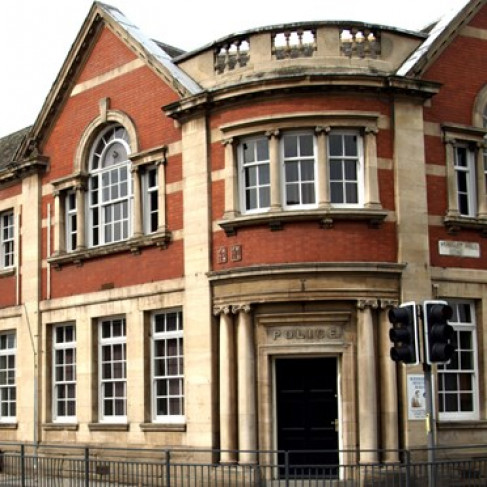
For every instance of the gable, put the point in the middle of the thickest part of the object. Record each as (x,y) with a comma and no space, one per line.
(108,53)
(462,71)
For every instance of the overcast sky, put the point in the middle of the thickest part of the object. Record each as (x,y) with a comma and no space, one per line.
(35,35)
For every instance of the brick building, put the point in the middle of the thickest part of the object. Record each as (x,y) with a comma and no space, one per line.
(197,246)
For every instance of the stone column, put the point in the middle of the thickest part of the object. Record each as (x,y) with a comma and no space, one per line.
(137,210)
(80,217)
(451,177)
(275,170)
(59,217)
(323,167)
(228,387)
(231,186)
(372,199)
(161,196)
(388,381)
(481,180)
(247,425)
(367,388)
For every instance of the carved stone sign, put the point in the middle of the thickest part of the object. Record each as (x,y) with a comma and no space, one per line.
(300,334)
(459,249)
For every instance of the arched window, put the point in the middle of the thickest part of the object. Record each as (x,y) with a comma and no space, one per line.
(110,187)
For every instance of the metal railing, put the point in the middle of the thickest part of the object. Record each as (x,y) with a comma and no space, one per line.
(28,465)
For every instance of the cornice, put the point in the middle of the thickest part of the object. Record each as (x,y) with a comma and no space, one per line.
(300,84)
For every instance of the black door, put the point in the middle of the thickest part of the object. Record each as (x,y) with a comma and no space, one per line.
(306,394)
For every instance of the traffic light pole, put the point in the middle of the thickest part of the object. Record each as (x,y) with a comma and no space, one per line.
(430,424)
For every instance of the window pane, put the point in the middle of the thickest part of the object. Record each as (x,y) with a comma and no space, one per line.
(336,190)
(262,149)
(307,171)
(290,146)
(308,194)
(336,170)
(350,145)
(292,194)
(292,172)
(306,146)
(335,145)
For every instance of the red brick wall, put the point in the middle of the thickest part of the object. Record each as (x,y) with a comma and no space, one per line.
(118,270)
(307,242)
(107,54)
(462,70)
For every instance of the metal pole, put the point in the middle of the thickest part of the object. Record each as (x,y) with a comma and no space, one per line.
(430,424)
(87,467)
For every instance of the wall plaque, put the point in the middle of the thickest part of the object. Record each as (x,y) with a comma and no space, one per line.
(459,249)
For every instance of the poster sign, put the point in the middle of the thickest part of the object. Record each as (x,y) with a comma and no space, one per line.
(416,397)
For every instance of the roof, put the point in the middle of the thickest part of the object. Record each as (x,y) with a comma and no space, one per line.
(152,48)
(9,146)
(428,48)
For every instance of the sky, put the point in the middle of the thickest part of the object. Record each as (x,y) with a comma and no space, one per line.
(36,35)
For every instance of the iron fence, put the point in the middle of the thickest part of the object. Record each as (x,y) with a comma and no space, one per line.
(29,465)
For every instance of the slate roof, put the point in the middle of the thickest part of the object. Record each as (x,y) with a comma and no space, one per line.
(9,146)
(435,32)
(152,48)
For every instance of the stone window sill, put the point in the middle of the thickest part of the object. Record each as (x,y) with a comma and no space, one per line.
(8,426)
(108,426)
(134,245)
(157,427)
(60,426)
(325,217)
(468,424)
(456,223)
(7,272)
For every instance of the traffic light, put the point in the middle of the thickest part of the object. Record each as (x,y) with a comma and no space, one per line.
(438,332)
(404,333)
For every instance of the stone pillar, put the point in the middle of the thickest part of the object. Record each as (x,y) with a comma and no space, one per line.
(275,170)
(372,199)
(247,420)
(388,381)
(481,180)
(451,177)
(59,217)
(323,167)
(367,388)
(161,196)
(228,387)
(137,206)
(80,217)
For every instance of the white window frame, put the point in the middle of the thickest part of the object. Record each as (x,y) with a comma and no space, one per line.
(8,390)
(300,182)
(97,203)
(444,370)
(163,337)
(65,380)
(259,186)
(7,239)
(469,172)
(360,163)
(71,220)
(150,199)
(112,342)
